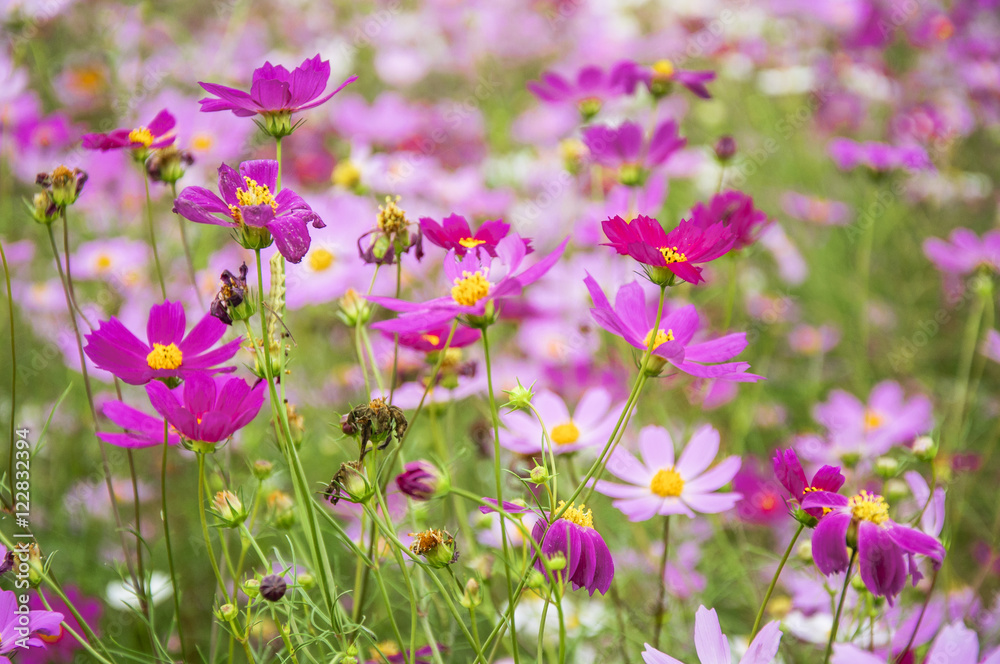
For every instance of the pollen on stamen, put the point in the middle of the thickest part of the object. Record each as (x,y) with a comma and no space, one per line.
(470,288)
(164,357)
(471,242)
(255,194)
(141,135)
(672,255)
(869,507)
(667,483)
(661,338)
(581,516)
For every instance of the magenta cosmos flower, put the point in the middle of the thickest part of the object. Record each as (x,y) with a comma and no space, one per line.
(658,485)
(676,253)
(437,338)
(39,625)
(141,430)
(593,87)
(623,148)
(209,409)
(735,211)
(275,93)
(60,647)
(479,283)
(590,424)
(632,320)
(420,480)
(885,549)
(788,471)
(964,252)
(955,644)
(660,77)
(454,233)
(154,135)
(878,157)
(166,353)
(248,202)
(588,560)
(712,645)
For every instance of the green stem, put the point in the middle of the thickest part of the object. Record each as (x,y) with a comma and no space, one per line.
(840,608)
(277,157)
(13,374)
(660,609)
(393,379)
(152,235)
(498,477)
(562,628)
(79,639)
(204,526)
(774,582)
(166,536)
(970,339)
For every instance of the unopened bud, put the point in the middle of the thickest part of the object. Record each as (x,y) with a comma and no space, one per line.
(251,587)
(925,449)
(228,612)
(228,507)
(519,397)
(539,475)
(262,469)
(471,598)
(725,148)
(886,467)
(272,587)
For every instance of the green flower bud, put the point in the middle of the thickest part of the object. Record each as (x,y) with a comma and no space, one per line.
(519,397)
(925,449)
(886,467)
(251,587)
(436,546)
(228,507)
(227,612)
(471,597)
(262,469)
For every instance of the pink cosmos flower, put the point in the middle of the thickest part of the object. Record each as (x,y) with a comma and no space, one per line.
(658,485)
(623,148)
(869,430)
(480,283)
(661,75)
(884,548)
(712,645)
(590,424)
(678,251)
(588,93)
(154,135)
(815,210)
(141,430)
(955,644)
(454,233)
(788,471)
(735,211)
(36,626)
(166,353)
(60,647)
(433,340)
(631,319)
(964,252)
(210,409)
(247,201)
(763,502)
(275,90)
(588,560)
(879,157)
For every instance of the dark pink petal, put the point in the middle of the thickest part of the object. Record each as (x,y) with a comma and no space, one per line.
(162,123)
(258,216)
(271,95)
(291,235)
(829,543)
(229,182)
(163,400)
(789,473)
(327,97)
(262,171)
(166,323)
(199,393)
(828,478)
(822,499)
(915,541)
(213,357)
(201,205)
(880,561)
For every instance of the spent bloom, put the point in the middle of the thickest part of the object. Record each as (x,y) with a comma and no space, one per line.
(206,409)
(623,148)
(455,233)
(659,485)
(250,205)
(884,548)
(275,93)
(479,282)
(590,424)
(712,645)
(140,140)
(668,255)
(632,320)
(167,351)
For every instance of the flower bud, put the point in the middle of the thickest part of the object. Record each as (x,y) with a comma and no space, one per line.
(306,580)
(168,164)
(251,587)
(471,597)
(422,480)
(272,587)
(354,309)
(228,507)
(351,483)
(262,469)
(227,612)
(36,566)
(573,153)
(42,207)
(725,148)
(536,580)
(886,467)
(539,475)
(64,183)
(557,561)
(925,449)
(296,423)
(632,175)
(804,551)
(282,509)
(436,546)
(519,397)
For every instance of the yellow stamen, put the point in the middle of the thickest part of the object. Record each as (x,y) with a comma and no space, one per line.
(432,339)
(202,142)
(255,194)
(661,338)
(664,68)
(471,243)
(671,255)
(471,288)
(565,434)
(103,262)
(869,507)
(810,489)
(873,419)
(667,482)
(164,357)
(320,259)
(141,135)
(581,516)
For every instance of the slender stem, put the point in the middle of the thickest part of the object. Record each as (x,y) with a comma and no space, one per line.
(840,607)
(498,477)
(393,379)
(562,627)
(152,235)
(82,641)
(774,581)
(864,270)
(69,273)
(660,609)
(923,610)
(166,536)
(204,525)
(971,336)
(277,157)
(181,223)
(13,373)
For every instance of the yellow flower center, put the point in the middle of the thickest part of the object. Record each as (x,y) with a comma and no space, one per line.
(432,339)
(471,288)
(141,135)
(346,174)
(661,338)
(667,482)
(869,507)
(202,142)
(873,419)
(671,255)
(164,357)
(471,243)
(255,194)
(581,516)
(103,262)
(320,259)
(664,68)
(811,489)
(565,434)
